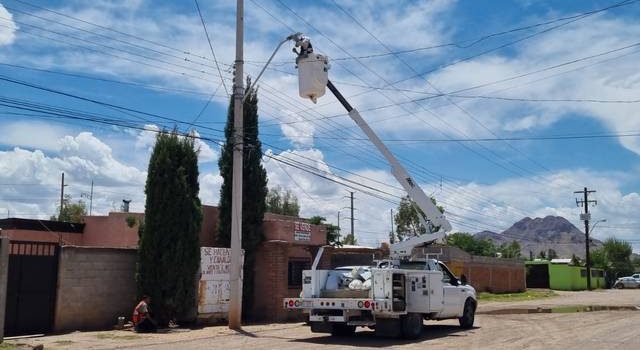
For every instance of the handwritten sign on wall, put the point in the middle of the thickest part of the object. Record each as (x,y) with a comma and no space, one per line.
(213,289)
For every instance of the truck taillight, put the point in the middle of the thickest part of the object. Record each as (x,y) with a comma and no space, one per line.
(290,303)
(360,304)
(367,304)
(297,303)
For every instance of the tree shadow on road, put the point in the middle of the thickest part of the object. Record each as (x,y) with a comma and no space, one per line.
(368,338)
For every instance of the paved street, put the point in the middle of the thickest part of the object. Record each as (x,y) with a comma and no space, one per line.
(584,330)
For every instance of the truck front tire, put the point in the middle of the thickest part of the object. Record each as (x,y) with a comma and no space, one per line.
(468,315)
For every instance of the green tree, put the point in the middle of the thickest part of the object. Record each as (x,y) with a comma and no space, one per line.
(551,254)
(510,250)
(617,256)
(408,221)
(282,202)
(542,255)
(471,244)
(169,254)
(333,231)
(254,190)
(71,212)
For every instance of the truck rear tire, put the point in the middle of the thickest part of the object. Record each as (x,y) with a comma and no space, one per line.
(468,315)
(411,325)
(342,330)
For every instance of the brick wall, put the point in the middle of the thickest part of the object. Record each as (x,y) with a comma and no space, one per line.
(495,277)
(271,282)
(485,274)
(95,286)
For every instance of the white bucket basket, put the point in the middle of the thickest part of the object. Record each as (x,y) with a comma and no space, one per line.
(313,75)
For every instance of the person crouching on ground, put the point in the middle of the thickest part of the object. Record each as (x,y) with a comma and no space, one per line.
(141,318)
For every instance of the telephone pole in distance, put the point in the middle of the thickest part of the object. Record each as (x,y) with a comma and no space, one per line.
(586,217)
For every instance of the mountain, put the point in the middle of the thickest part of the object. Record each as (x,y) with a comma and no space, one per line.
(542,234)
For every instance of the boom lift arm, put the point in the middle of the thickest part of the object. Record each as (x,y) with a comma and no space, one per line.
(433,219)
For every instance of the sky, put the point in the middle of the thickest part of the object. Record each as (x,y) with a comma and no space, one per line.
(499,109)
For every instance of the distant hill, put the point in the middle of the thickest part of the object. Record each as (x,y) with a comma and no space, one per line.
(542,234)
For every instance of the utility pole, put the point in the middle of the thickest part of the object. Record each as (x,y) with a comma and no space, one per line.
(235,302)
(392,240)
(353,237)
(586,217)
(62,185)
(91,199)
(90,196)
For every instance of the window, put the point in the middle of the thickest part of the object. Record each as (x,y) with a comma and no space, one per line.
(597,273)
(295,271)
(583,273)
(447,276)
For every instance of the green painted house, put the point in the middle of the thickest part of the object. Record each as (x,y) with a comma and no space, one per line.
(559,275)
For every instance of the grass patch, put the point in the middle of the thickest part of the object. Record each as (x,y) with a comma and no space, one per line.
(117,336)
(8,346)
(528,295)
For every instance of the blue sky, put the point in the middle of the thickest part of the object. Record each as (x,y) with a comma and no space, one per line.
(153,57)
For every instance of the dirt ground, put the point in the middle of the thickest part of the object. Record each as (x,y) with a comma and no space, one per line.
(583,330)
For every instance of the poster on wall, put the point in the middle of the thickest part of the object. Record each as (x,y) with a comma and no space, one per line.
(213,288)
(301,231)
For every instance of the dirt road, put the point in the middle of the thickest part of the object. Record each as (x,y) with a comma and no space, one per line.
(583,331)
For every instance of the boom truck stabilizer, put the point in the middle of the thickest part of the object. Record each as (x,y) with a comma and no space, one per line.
(395,295)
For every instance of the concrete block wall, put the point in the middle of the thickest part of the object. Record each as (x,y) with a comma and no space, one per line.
(95,286)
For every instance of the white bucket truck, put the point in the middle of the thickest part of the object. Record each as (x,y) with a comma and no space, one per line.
(395,295)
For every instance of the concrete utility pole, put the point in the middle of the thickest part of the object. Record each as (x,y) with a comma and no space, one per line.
(392,234)
(61,196)
(353,237)
(91,199)
(586,217)
(235,302)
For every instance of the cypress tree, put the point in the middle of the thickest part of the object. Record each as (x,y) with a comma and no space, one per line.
(169,253)
(254,191)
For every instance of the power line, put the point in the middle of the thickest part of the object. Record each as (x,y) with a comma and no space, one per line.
(523,170)
(182,51)
(515,138)
(514,77)
(211,47)
(467,43)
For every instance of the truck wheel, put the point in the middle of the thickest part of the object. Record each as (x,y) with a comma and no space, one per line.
(411,325)
(469,315)
(619,285)
(342,330)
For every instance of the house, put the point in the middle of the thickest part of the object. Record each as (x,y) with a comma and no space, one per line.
(558,274)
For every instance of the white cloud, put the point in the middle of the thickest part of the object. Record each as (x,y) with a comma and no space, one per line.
(8,28)
(210,188)
(616,80)
(146,139)
(32,134)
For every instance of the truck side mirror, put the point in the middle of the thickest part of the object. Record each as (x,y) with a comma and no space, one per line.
(463,280)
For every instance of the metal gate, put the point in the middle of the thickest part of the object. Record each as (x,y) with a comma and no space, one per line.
(31,287)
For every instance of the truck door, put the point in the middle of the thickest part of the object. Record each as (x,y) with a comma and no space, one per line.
(452,294)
